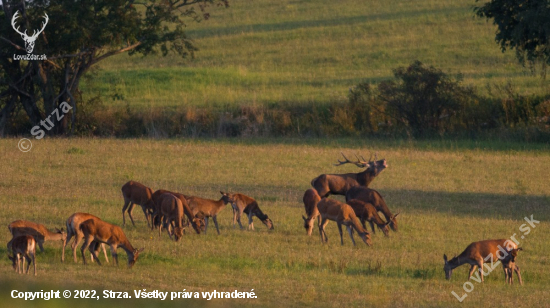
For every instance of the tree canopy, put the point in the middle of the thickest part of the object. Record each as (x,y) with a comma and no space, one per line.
(76,36)
(522,25)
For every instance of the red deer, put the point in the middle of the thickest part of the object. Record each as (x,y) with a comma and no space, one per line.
(73,229)
(136,193)
(373,197)
(479,252)
(249,206)
(367,212)
(99,231)
(311,198)
(37,231)
(23,247)
(509,264)
(196,222)
(343,214)
(339,184)
(171,209)
(209,208)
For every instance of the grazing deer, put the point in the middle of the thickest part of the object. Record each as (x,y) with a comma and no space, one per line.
(311,198)
(373,197)
(137,193)
(171,209)
(343,214)
(339,184)
(367,212)
(196,223)
(509,265)
(209,208)
(23,247)
(483,251)
(249,206)
(98,231)
(73,229)
(37,231)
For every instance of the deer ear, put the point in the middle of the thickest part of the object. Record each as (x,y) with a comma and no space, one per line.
(445,258)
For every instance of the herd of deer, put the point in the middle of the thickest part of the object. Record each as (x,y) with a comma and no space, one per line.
(175,211)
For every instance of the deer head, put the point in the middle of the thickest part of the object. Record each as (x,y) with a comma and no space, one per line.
(29,40)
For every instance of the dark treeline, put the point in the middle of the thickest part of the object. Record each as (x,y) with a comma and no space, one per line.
(420,102)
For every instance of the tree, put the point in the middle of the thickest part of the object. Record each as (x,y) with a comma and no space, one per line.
(522,25)
(78,35)
(424,99)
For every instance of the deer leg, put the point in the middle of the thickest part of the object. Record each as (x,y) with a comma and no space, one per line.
(33,257)
(480,267)
(105,252)
(239,215)
(28,258)
(41,245)
(371,226)
(146,212)
(215,219)
(516,269)
(250,222)
(234,216)
(350,230)
(130,209)
(324,237)
(205,224)
(472,269)
(340,230)
(114,254)
(126,204)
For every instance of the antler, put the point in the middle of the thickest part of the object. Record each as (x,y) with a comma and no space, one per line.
(358,163)
(43,26)
(15,16)
(392,218)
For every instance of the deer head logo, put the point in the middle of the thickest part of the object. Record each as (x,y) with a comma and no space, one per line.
(29,40)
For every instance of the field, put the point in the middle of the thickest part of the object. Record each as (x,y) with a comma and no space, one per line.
(267,52)
(449,194)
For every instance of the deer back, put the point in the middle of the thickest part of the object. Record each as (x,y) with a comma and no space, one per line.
(138,193)
(38,231)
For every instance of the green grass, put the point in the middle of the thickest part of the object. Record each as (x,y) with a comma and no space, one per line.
(264,52)
(449,193)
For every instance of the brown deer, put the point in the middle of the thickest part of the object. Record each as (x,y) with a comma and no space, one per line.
(99,231)
(367,212)
(373,197)
(196,223)
(73,229)
(311,198)
(339,184)
(343,214)
(479,252)
(137,193)
(249,206)
(23,247)
(509,265)
(171,209)
(209,208)
(37,231)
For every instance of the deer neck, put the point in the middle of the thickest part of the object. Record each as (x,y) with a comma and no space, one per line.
(54,236)
(366,177)
(457,261)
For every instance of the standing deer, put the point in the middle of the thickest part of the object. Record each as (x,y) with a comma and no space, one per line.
(209,208)
(373,197)
(339,184)
(137,193)
(311,198)
(509,264)
(479,252)
(24,247)
(196,223)
(98,231)
(171,209)
(37,231)
(367,212)
(244,204)
(343,214)
(73,229)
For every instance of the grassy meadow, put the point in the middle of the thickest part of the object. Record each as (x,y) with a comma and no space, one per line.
(449,194)
(267,52)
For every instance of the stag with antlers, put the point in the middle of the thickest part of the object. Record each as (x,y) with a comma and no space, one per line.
(29,40)
(339,184)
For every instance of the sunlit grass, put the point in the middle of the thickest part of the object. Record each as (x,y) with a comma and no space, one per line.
(263,52)
(449,194)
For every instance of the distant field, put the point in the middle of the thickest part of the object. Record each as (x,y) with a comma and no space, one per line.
(449,194)
(264,52)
